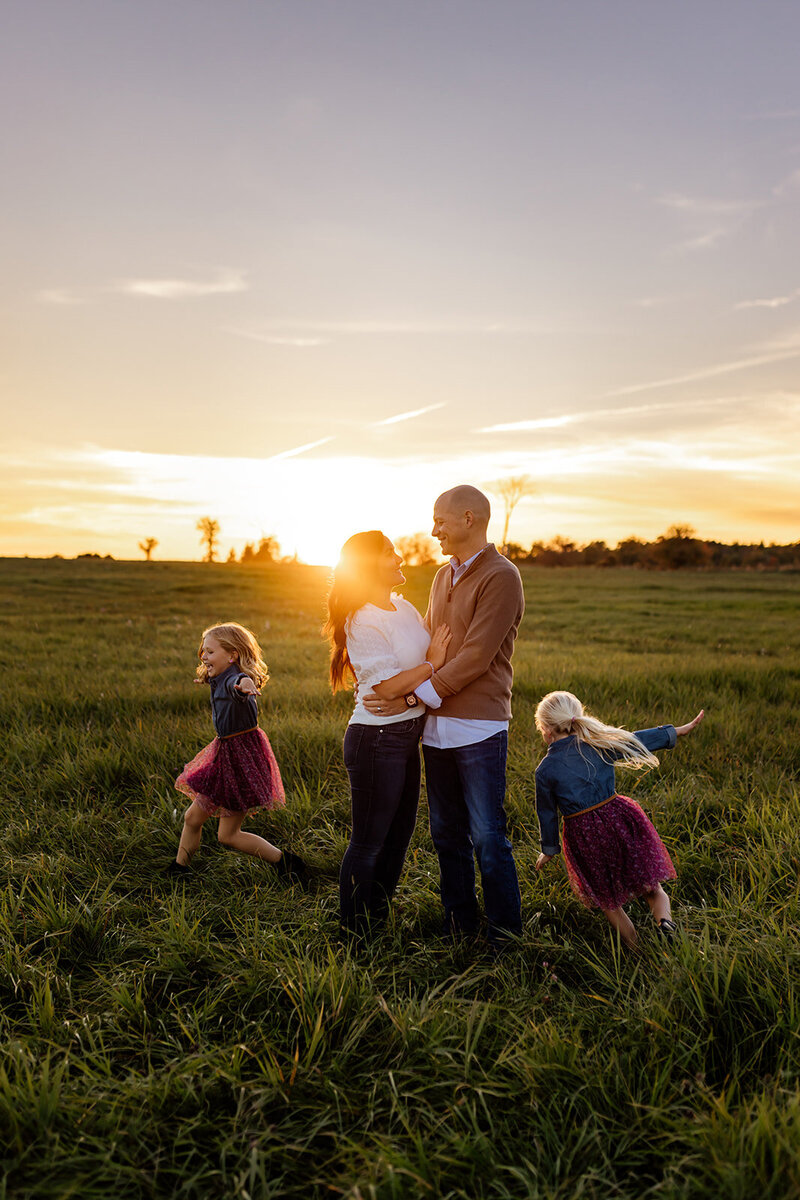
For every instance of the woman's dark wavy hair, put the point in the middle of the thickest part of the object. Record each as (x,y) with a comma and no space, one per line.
(352,582)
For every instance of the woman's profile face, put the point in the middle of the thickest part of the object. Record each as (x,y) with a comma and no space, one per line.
(389,564)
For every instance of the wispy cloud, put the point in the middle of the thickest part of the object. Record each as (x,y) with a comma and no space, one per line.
(293,453)
(596,414)
(706,206)
(706,240)
(651,301)
(293,341)
(58,296)
(780,401)
(788,187)
(296,343)
(407,416)
(538,423)
(778,354)
(779,114)
(313,332)
(773,302)
(225,283)
(714,218)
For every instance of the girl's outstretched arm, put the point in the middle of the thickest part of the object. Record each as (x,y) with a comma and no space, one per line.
(682,729)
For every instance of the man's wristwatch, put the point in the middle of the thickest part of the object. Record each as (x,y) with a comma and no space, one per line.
(411,700)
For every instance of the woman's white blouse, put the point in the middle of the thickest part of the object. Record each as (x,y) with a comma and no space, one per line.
(381,643)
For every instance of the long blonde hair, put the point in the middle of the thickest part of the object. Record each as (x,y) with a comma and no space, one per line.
(563,713)
(234,638)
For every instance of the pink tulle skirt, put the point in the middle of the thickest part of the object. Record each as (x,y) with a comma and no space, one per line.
(234,775)
(613,853)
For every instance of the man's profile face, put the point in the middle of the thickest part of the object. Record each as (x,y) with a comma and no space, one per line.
(449,528)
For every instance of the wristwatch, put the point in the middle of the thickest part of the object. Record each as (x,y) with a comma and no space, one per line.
(411,700)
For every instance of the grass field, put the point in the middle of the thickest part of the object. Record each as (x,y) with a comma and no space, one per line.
(213,1039)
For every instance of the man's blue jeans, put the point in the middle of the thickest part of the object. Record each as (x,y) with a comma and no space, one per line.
(466,795)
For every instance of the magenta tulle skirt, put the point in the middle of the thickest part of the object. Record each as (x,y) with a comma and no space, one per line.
(234,775)
(613,853)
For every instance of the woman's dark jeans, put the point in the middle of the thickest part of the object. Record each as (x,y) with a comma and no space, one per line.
(384,768)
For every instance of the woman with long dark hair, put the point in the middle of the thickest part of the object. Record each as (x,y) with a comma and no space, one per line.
(379,642)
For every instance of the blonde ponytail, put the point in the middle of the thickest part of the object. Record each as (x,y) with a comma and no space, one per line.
(562,713)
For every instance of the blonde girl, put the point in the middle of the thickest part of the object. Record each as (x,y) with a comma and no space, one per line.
(236,773)
(611,850)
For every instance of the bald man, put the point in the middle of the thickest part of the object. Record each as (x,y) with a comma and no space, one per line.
(465,741)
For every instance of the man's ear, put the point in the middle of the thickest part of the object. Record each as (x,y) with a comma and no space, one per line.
(469,517)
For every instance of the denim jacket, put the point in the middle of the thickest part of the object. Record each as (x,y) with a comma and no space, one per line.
(231,711)
(570,779)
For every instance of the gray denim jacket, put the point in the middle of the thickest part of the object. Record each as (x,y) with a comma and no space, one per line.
(570,779)
(231,711)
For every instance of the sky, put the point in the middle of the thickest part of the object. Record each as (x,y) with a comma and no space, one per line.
(301,267)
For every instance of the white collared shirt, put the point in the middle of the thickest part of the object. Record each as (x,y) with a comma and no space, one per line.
(447,733)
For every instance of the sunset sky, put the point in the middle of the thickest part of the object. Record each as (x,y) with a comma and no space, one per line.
(301,266)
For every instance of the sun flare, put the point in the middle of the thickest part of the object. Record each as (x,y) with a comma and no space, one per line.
(312,506)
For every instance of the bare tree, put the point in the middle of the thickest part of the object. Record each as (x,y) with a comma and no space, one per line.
(680,547)
(676,532)
(511,491)
(209,534)
(269,550)
(417,549)
(147,547)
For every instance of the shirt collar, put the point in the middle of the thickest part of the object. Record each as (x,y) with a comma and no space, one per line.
(234,667)
(459,568)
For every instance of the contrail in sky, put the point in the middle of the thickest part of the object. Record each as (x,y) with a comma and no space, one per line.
(406,416)
(740,364)
(299,449)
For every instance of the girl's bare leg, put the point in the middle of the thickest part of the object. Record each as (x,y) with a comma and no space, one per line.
(193,821)
(231,834)
(659,904)
(623,925)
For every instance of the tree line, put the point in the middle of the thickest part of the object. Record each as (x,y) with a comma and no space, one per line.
(678,548)
(267,550)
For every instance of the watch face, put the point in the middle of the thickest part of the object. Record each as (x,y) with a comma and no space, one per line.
(411,700)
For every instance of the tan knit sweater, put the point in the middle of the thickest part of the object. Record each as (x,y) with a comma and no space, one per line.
(483,610)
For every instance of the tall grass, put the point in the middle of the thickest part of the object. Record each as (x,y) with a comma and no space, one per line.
(213,1038)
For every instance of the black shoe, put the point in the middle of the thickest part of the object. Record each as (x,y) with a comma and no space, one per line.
(667,929)
(291,867)
(176,868)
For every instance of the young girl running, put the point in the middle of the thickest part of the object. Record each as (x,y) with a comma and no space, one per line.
(611,849)
(236,773)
